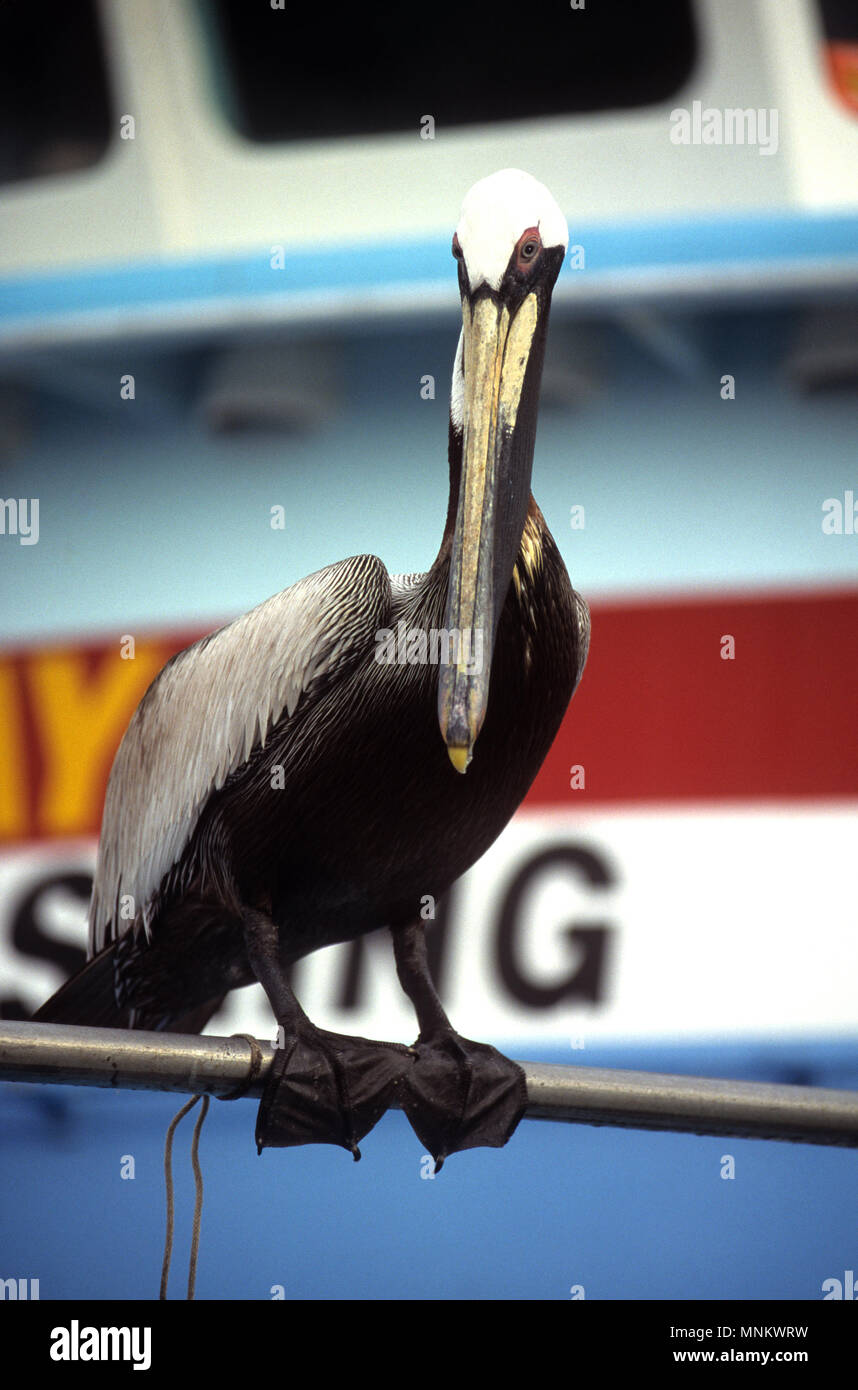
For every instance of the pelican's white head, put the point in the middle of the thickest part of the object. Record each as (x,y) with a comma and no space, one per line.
(495,214)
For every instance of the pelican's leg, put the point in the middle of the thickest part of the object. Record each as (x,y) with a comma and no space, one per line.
(323,1087)
(459,1094)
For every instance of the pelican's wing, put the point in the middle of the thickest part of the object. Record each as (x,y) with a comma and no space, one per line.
(203,715)
(582,623)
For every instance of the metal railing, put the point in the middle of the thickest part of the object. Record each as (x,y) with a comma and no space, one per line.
(112,1057)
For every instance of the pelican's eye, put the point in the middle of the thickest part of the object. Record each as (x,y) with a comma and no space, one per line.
(529,247)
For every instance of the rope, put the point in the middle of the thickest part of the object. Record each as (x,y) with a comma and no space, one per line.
(198,1200)
(255,1068)
(198,1203)
(240,1090)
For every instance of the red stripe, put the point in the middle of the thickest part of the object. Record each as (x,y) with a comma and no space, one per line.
(659,715)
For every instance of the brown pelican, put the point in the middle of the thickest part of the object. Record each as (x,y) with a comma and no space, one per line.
(284,783)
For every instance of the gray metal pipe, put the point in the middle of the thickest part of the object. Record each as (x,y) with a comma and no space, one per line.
(69,1056)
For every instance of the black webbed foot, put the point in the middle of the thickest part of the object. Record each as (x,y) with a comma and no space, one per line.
(327,1088)
(460,1094)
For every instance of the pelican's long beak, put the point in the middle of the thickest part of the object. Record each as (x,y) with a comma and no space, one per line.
(493,495)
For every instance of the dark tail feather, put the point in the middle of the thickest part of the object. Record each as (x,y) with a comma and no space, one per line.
(88,1000)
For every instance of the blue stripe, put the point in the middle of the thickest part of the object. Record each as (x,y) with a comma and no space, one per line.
(243,277)
(740,241)
(609,248)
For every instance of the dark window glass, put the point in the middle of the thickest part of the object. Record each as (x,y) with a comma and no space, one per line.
(54,100)
(840,20)
(310,71)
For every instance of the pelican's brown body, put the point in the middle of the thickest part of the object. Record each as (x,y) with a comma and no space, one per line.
(367,816)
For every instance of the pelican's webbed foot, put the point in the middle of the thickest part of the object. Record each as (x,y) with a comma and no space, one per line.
(462,1095)
(326,1088)
(458,1094)
(323,1088)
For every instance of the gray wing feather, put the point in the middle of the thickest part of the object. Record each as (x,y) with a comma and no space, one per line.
(205,713)
(582,619)
(406,583)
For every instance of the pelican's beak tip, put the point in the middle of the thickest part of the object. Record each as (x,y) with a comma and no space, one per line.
(459,757)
